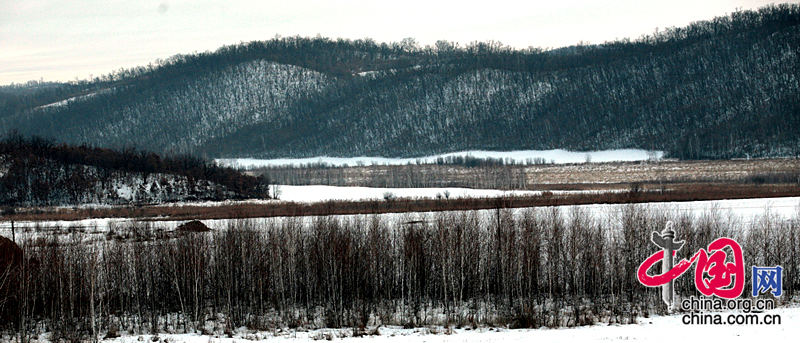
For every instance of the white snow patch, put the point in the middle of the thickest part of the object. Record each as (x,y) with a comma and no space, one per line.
(325,193)
(655,329)
(75,98)
(520,157)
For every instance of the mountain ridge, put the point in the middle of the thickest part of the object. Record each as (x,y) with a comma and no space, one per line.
(722,88)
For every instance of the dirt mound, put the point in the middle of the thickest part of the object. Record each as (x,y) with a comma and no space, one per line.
(10,254)
(10,261)
(193,226)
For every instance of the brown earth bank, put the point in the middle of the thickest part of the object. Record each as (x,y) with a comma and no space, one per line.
(635,193)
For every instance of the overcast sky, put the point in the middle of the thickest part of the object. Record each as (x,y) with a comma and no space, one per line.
(59,40)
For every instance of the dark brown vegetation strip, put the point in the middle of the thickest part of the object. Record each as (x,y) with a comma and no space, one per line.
(636,193)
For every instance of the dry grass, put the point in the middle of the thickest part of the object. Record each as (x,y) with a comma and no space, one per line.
(612,175)
(725,171)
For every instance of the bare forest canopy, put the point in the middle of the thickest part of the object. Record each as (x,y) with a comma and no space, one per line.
(722,88)
(36,171)
(530,268)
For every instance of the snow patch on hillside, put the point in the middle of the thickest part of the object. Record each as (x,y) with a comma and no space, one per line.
(65,102)
(516,157)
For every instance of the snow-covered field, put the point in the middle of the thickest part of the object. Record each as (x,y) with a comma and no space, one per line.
(743,208)
(740,211)
(655,329)
(325,193)
(521,156)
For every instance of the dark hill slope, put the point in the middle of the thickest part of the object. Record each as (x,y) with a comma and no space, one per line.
(34,171)
(727,87)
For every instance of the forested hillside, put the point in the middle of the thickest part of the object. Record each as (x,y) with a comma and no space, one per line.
(722,88)
(35,171)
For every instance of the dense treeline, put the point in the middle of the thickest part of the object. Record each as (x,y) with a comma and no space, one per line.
(36,171)
(486,176)
(472,172)
(726,87)
(20,97)
(524,268)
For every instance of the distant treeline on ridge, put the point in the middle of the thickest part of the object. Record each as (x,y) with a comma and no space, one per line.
(722,88)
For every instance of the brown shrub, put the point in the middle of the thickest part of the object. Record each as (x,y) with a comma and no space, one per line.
(193,226)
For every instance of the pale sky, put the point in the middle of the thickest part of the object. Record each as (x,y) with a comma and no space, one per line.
(59,40)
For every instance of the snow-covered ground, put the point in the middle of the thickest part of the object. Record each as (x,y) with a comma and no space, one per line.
(655,329)
(741,211)
(521,156)
(325,193)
